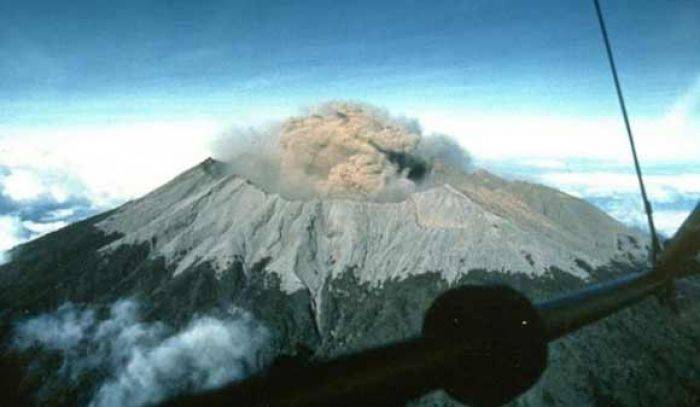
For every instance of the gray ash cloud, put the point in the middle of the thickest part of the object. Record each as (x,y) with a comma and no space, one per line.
(340,149)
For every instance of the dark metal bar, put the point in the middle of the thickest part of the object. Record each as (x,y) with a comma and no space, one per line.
(572,311)
(389,375)
(575,310)
(655,245)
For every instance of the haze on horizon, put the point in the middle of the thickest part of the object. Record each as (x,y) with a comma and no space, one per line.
(101,102)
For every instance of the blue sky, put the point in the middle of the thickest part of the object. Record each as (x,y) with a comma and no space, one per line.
(79,61)
(88,86)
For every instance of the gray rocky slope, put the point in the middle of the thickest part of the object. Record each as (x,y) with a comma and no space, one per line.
(340,275)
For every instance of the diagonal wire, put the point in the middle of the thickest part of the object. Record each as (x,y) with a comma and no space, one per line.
(655,246)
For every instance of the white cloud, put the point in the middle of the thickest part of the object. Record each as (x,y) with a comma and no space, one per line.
(629,210)
(508,137)
(60,214)
(14,231)
(31,186)
(51,176)
(544,163)
(10,234)
(599,183)
(22,185)
(669,221)
(148,362)
(39,228)
(205,355)
(59,193)
(63,330)
(36,202)
(114,162)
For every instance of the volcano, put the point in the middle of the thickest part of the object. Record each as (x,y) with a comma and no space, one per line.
(331,275)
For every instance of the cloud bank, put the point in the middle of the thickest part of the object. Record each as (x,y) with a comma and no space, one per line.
(34,202)
(674,137)
(146,361)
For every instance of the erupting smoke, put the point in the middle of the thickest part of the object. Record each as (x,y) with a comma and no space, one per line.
(340,149)
(146,362)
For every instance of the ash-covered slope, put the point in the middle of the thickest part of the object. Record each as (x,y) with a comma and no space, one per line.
(209,215)
(336,275)
(483,222)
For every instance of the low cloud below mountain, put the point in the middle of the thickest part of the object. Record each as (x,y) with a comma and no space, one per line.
(145,362)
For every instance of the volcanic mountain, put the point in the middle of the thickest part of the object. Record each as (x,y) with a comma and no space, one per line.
(333,275)
(329,233)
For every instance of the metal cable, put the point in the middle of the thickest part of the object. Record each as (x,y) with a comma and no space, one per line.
(655,245)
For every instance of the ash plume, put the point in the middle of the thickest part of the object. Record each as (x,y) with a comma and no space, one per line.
(340,149)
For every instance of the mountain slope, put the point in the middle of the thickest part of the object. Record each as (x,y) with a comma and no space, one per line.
(337,275)
(207,215)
